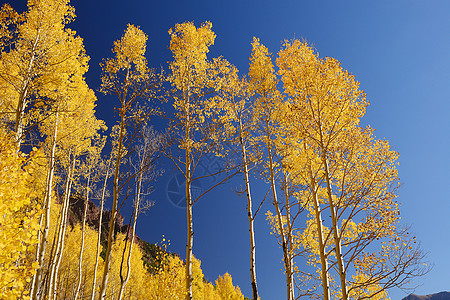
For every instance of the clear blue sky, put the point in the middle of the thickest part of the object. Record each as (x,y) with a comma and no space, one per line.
(398,50)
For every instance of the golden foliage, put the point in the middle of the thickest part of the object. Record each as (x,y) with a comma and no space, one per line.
(226,290)
(310,132)
(169,283)
(19,219)
(352,173)
(189,46)
(43,57)
(128,69)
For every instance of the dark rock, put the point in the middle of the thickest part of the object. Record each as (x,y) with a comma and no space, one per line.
(76,211)
(151,252)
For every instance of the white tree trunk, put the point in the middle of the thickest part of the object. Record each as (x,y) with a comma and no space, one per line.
(284,245)
(124,281)
(289,234)
(83,233)
(335,228)
(250,216)
(36,289)
(102,201)
(112,222)
(323,258)
(22,101)
(62,232)
(190,224)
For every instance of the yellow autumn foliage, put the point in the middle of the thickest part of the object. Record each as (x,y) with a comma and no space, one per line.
(226,290)
(19,219)
(169,283)
(310,133)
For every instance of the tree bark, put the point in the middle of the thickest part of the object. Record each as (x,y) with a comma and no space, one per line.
(62,232)
(47,206)
(124,281)
(335,228)
(102,201)
(190,224)
(250,215)
(83,229)
(323,259)
(112,222)
(289,233)
(22,103)
(278,211)
(52,256)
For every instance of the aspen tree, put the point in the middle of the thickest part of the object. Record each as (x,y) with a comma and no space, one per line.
(226,290)
(124,279)
(50,288)
(145,172)
(168,281)
(323,128)
(42,55)
(349,171)
(9,20)
(74,107)
(88,169)
(78,128)
(195,127)
(39,57)
(77,125)
(37,279)
(263,86)
(128,77)
(304,171)
(138,274)
(67,280)
(106,168)
(290,210)
(237,125)
(83,231)
(314,238)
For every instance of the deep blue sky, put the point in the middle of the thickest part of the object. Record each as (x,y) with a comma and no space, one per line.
(398,50)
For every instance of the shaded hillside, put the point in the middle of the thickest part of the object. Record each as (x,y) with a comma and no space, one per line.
(438,296)
(150,252)
(93,216)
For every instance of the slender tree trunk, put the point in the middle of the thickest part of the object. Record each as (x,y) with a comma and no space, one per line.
(47,205)
(102,201)
(323,259)
(112,222)
(124,281)
(22,103)
(335,228)
(83,233)
(56,247)
(250,216)
(52,259)
(20,111)
(289,233)
(278,211)
(190,224)
(190,239)
(62,232)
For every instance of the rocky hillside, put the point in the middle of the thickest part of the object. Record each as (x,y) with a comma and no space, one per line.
(150,251)
(93,216)
(438,296)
